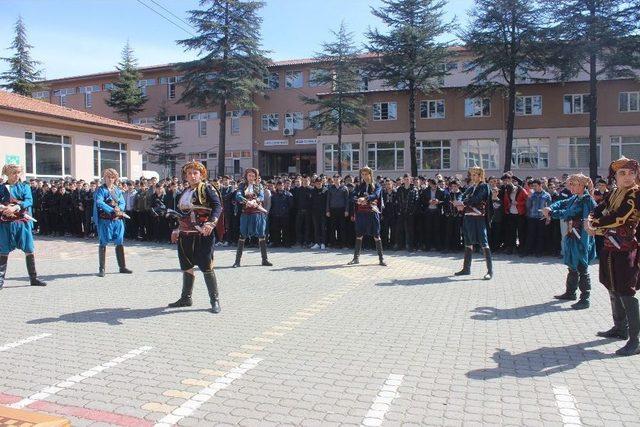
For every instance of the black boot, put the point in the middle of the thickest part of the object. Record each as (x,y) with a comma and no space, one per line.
(263,252)
(633,318)
(187,289)
(31,269)
(584,283)
(212,288)
(466,267)
(620,328)
(120,258)
(570,287)
(356,253)
(489,261)
(380,256)
(102,255)
(3,268)
(239,253)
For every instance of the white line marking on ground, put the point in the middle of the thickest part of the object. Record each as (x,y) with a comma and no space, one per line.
(567,406)
(382,402)
(71,381)
(24,341)
(189,407)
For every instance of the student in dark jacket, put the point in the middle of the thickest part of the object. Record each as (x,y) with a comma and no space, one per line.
(407,200)
(281,202)
(318,206)
(302,203)
(337,212)
(452,218)
(67,213)
(431,199)
(388,218)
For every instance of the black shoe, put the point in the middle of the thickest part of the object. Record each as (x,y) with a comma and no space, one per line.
(630,348)
(101,273)
(125,270)
(236,264)
(37,282)
(614,333)
(581,305)
(488,276)
(215,307)
(382,263)
(182,302)
(566,296)
(354,261)
(462,273)
(266,263)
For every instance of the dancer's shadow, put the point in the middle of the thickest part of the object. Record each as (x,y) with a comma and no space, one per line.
(426,281)
(317,267)
(110,316)
(541,362)
(52,277)
(494,313)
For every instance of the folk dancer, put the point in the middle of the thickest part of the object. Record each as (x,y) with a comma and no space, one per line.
(616,219)
(368,205)
(579,246)
(253,220)
(16,223)
(476,206)
(199,210)
(108,215)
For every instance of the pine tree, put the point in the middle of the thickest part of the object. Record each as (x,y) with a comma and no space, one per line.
(126,97)
(410,56)
(231,64)
(504,37)
(599,38)
(344,106)
(23,76)
(163,148)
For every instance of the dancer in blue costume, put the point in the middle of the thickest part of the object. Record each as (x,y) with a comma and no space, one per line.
(579,246)
(108,215)
(15,222)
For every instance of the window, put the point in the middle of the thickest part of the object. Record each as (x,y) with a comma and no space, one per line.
(202,128)
(47,155)
(235,121)
(40,95)
(350,157)
(574,153)
(272,81)
(88,94)
(270,122)
(479,152)
(529,105)
(530,153)
(62,93)
(144,121)
(385,155)
(629,102)
(363,82)
(294,121)
(318,77)
(171,85)
(576,104)
(628,146)
(432,109)
(108,86)
(142,84)
(108,154)
(385,111)
(293,79)
(313,121)
(477,107)
(433,155)
(200,116)
(172,122)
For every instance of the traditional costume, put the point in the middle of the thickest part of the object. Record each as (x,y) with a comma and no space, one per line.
(476,206)
(198,206)
(16,225)
(108,215)
(253,220)
(367,197)
(616,218)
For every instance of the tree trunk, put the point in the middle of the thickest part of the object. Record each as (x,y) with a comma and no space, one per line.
(511,120)
(593,118)
(412,129)
(222,137)
(340,147)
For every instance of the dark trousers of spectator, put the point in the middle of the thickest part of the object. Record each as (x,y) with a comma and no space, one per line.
(88,223)
(279,230)
(350,231)
(453,233)
(319,222)
(514,229)
(234,230)
(303,226)
(496,235)
(335,228)
(536,231)
(68,222)
(131,225)
(432,223)
(552,238)
(143,225)
(78,221)
(387,231)
(406,232)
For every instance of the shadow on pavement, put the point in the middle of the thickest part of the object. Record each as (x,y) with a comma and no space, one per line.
(318,267)
(427,281)
(53,277)
(541,362)
(112,316)
(494,313)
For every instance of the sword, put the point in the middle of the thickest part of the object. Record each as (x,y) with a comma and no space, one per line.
(575,233)
(24,214)
(476,210)
(613,241)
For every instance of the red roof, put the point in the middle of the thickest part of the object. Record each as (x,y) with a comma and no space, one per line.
(24,104)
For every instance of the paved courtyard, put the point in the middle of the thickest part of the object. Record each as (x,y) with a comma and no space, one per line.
(309,341)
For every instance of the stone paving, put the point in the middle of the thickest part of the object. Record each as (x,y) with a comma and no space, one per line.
(309,341)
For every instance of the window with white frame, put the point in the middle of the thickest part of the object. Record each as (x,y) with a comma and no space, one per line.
(477,107)
(272,80)
(434,154)
(173,119)
(43,94)
(432,109)
(576,103)
(529,105)
(573,153)
(294,121)
(144,121)
(479,152)
(235,121)
(385,155)
(293,79)
(202,128)
(270,122)
(629,102)
(385,111)
(317,76)
(109,154)
(142,84)
(47,155)
(62,94)
(530,153)
(628,146)
(313,122)
(350,157)
(88,94)
(171,83)
(108,86)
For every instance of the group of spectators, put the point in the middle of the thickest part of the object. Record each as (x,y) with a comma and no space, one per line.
(318,211)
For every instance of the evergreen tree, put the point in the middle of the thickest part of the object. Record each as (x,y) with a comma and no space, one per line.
(600,38)
(504,37)
(23,76)
(344,106)
(232,64)
(165,144)
(126,98)
(410,56)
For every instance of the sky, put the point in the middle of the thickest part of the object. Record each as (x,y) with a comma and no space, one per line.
(75,37)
